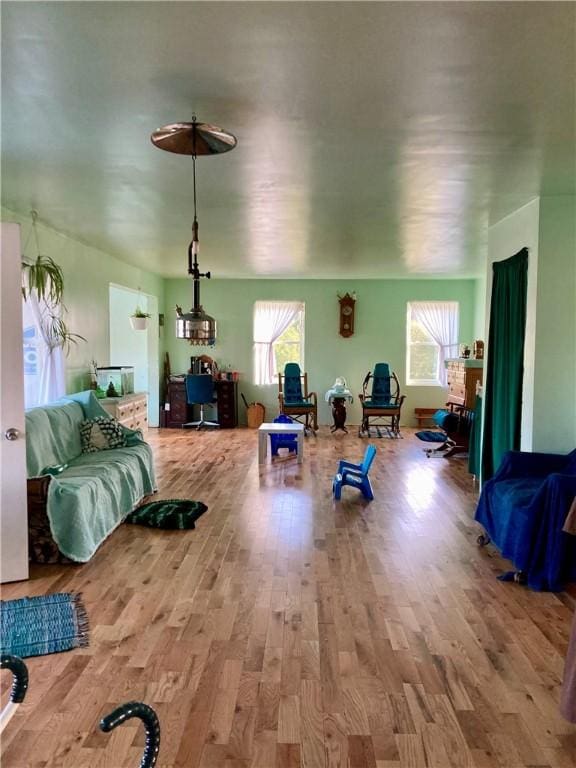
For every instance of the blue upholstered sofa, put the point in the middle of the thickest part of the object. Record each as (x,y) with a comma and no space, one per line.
(523,509)
(75,499)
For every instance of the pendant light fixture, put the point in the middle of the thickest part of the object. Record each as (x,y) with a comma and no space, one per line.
(194,139)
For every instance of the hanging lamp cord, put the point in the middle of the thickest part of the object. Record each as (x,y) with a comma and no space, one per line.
(194,172)
(193,268)
(32,231)
(194,165)
(192,256)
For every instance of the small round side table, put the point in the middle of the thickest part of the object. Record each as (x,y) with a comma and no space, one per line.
(337,398)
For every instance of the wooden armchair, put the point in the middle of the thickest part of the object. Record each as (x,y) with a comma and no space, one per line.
(295,400)
(382,407)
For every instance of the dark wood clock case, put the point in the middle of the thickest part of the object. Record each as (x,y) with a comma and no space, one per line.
(347,307)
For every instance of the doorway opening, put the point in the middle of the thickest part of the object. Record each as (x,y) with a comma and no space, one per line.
(138,349)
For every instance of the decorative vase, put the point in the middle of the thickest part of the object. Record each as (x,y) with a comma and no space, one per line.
(139,323)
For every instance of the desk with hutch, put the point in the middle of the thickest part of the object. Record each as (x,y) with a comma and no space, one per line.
(179,412)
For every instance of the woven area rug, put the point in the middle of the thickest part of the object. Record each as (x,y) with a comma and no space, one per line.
(35,626)
(174,514)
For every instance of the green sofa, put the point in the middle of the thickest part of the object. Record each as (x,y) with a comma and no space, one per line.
(82,497)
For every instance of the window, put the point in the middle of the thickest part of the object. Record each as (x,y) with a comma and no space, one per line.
(431,337)
(278,338)
(288,347)
(44,379)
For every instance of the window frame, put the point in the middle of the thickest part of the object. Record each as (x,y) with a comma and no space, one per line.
(411,382)
(300,319)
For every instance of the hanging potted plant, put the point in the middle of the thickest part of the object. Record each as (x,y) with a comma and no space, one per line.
(43,281)
(139,319)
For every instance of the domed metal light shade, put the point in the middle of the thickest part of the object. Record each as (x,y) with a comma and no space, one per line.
(194,139)
(196,326)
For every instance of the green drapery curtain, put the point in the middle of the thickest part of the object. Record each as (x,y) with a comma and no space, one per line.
(505,364)
(475,442)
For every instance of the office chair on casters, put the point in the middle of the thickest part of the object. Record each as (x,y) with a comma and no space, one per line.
(200,391)
(295,400)
(384,403)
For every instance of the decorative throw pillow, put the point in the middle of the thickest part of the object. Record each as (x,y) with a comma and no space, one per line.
(101,434)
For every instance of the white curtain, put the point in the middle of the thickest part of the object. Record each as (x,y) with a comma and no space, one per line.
(44,371)
(440,319)
(271,319)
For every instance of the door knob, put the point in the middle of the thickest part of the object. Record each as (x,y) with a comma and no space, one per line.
(12,434)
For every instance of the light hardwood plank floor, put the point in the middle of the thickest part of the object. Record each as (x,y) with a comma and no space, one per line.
(287,630)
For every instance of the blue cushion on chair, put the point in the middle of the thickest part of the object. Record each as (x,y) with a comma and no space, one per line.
(380,406)
(292,385)
(446,420)
(199,388)
(380,386)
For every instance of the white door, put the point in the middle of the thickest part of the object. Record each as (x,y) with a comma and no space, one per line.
(13,510)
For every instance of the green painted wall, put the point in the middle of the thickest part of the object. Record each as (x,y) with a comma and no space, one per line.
(380,331)
(87,275)
(380,319)
(555,359)
(480,310)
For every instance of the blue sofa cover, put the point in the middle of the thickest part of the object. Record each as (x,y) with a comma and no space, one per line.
(523,508)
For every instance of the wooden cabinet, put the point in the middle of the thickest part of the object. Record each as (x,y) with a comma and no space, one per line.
(180,412)
(463,375)
(227,402)
(131,410)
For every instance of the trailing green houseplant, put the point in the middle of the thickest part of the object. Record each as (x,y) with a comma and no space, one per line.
(44,278)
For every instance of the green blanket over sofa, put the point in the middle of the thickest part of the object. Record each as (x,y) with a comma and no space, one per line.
(93,494)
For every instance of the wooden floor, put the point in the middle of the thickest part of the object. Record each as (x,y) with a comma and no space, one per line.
(287,630)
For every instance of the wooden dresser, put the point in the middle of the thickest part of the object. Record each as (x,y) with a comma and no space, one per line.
(130,410)
(180,412)
(463,375)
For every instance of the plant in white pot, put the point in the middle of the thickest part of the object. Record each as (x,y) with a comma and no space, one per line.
(139,319)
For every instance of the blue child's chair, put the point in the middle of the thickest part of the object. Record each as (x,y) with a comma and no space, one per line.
(355,475)
(283,441)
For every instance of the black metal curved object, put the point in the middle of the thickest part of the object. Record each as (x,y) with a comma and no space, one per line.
(151,725)
(20,675)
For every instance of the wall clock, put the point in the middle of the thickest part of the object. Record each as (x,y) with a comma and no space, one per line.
(347,305)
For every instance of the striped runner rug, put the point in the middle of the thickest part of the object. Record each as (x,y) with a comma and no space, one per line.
(36,626)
